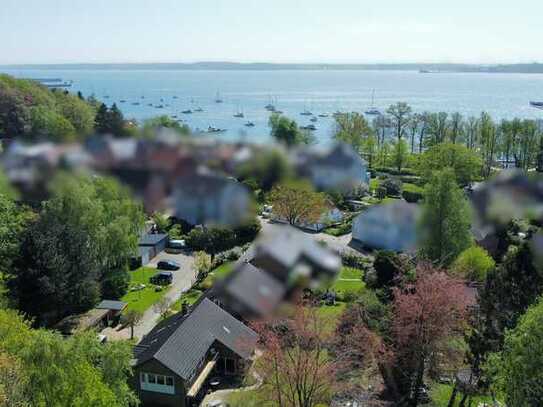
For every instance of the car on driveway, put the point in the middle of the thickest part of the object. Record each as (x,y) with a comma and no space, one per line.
(162,278)
(167,265)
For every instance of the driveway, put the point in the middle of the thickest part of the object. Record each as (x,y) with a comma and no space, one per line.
(183,279)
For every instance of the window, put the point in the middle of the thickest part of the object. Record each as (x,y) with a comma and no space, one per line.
(157,383)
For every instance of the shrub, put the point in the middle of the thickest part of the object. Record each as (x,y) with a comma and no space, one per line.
(473,263)
(393,186)
(354,260)
(412,193)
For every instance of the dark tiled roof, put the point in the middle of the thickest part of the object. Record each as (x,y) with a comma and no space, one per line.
(151,239)
(181,343)
(112,305)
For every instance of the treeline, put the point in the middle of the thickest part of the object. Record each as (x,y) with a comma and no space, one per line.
(396,136)
(32,112)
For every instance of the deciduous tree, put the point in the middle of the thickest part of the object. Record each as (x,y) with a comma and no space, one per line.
(297,202)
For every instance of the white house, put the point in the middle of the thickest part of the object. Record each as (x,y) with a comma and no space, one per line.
(206,198)
(334,168)
(391,226)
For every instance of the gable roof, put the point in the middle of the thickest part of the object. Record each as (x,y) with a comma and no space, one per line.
(112,305)
(180,342)
(151,239)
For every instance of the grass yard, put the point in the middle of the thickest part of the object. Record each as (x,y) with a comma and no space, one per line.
(330,314)
(440,394)
(141,300)
(190,297)
(349,281)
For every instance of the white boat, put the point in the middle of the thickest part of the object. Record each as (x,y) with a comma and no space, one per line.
(373,111)
(249,124)
(323,115)
(188,111)
(218,98)
(198,109)
(310,127)
(212,129)
(313,119)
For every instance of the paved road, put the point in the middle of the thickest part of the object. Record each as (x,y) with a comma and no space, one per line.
(183,279)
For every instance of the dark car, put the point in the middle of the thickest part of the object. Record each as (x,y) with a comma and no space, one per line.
(167,265)
(162,278)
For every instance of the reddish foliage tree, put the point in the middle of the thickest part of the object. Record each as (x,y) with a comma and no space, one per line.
(295,363)
(426,313)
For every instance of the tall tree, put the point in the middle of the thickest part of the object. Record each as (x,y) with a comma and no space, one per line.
(400,114)
(295,364)
(297,202)
(286,131)
(516,371)
(465,163)
(472,129)
(425,315)
(400,154)
(414,128)
(438,126)
(353,129)
(488,139)
(381,125)
(445,219)
(456,128)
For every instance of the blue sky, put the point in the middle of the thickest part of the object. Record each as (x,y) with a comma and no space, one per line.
(474,31)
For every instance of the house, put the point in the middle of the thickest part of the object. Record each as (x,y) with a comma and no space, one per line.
(334,168)
(248,292)
(150,244)
(174,361)
(206,198)
(293,258)
(391,226)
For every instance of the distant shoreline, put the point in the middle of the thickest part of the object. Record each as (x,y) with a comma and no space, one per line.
(536,68)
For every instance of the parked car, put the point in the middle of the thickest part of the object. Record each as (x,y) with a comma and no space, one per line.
(177,244)
(167,265)
(162,278)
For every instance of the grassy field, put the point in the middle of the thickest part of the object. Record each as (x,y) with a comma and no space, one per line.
(143,299)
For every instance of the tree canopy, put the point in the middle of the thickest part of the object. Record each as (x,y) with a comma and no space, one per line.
(286,131)
(445,221)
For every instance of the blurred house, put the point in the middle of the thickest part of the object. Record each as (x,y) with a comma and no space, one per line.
(334,168)
(206,198)
(390,226)
(248,292)
(174,361)
(295,259)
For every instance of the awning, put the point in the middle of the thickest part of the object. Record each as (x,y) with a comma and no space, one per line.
(195,388)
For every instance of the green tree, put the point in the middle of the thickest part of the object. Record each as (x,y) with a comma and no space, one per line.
(400,114)
(353,129)
(445,219)
(474,264)
(465,163)
(286,131)
(516,371)
(76,371)
(132,318)
(438,126)
(297,202)
(488,142)
(77,111)
(150,126)
(400,154)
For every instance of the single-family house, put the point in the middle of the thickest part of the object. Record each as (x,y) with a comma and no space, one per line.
(391,226)
(248,292)
(206,198)
(174,361)
(333,168)
(295,259)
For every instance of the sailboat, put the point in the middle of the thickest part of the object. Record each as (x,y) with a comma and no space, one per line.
(373,110)
(239,114)
(218,98)
(270,107)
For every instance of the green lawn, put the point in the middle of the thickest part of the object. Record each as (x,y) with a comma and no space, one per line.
(190,297)
(440,394)
(143,299)
(330,314)
(349,281)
